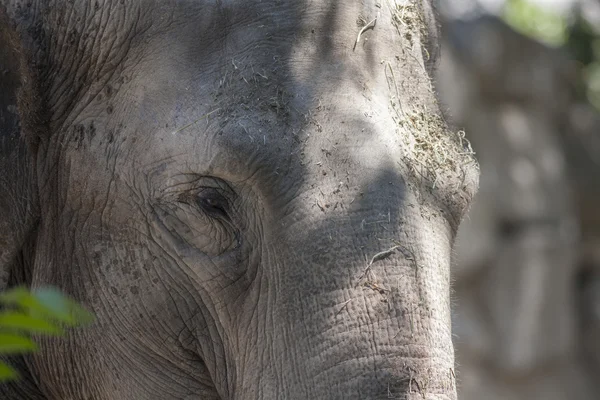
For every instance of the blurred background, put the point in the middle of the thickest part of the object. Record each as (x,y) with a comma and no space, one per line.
(522,78)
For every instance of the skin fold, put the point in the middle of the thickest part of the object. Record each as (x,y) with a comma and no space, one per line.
(254,203)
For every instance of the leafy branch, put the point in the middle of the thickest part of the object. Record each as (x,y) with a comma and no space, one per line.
(43,311)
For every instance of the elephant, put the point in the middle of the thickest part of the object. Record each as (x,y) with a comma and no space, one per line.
(257,199)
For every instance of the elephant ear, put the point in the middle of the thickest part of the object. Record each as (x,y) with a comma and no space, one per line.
(18,194)
(69,51)
(56,56)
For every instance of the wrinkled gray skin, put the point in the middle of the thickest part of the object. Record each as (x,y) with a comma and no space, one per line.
(211,178)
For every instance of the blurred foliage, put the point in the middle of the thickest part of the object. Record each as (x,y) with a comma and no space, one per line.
(584,44)
(44,311)
(572,32)
(534,21)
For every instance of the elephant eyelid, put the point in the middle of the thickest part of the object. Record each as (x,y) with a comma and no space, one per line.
(213,203)
(209,195)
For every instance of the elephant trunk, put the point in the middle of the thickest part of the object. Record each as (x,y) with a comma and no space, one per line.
(364,318)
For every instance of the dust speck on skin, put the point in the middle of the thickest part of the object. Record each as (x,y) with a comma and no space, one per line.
(134,290)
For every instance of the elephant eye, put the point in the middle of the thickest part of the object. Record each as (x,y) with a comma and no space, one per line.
(213,203)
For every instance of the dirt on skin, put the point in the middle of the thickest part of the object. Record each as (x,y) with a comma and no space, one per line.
(434,154)
(410,18)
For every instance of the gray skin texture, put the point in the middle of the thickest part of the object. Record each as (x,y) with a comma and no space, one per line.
(212,179)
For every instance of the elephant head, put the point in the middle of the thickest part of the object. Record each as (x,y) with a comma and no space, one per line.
(257,199)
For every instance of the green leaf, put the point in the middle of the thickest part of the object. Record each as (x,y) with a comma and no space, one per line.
(42,312)
(47,303)
(536,22)
(7,373)
(54,301)
(11,344)
(19,296)
(13,296)
(63,308)
(18,321)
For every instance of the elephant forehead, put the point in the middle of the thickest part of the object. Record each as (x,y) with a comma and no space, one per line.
(229,88)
